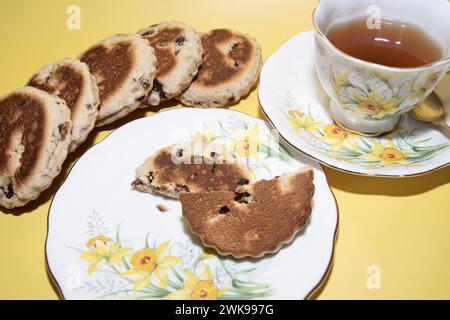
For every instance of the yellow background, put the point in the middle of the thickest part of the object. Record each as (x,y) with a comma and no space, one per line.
(400,225)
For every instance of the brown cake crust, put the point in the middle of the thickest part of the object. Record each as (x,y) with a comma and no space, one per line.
(178,50)
(72,81)
(164,54)
(219,67)
(35,133)
(124,67)
(110,66)
(68,85)
(17,112)
(231,65)
(254,220)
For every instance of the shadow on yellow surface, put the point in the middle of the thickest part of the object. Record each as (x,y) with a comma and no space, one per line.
(53,283)
(396,187)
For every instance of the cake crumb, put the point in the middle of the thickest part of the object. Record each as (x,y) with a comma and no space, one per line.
(162,208)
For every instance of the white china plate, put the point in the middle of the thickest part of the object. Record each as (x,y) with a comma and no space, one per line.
(96,200)
(295,103)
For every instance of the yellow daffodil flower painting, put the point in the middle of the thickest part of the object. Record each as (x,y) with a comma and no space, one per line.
(246,142)
(151,266)
(393,149)
(198,288)
(102,250)
(374,103)
(339,80)
(387,154)
(163,270)
(374,96)
(301,121)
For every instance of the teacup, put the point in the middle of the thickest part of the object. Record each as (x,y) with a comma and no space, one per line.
(366,97)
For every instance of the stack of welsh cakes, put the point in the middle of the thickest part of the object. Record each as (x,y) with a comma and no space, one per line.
(62,102)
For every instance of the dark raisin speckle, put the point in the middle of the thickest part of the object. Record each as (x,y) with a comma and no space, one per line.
(147,33)
(158,87)
(140,99)
(243,181)
(180,41)
(180,188)
(64,129)
(150,176)
(224,210)
(179,152)
(10,191)
(242,197)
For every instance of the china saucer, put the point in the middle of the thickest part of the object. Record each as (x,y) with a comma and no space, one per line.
(295,103)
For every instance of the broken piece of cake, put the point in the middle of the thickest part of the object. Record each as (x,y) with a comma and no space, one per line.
(190,167)
(254,220)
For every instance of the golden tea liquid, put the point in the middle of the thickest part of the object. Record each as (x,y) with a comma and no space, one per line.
(394,44)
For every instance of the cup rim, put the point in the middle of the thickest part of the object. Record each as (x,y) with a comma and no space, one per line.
(319,32)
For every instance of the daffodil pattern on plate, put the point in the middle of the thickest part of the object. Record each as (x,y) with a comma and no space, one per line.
(151,266)
(397,148)
(102,249)
(256,149)
(167,270)
(200,287)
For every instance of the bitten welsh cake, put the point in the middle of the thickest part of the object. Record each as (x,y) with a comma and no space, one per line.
(254,220)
